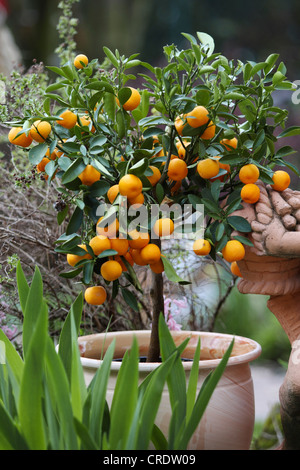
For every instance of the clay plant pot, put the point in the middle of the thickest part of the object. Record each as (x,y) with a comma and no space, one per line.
(228,421)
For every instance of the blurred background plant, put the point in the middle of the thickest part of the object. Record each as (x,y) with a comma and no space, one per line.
(35,33)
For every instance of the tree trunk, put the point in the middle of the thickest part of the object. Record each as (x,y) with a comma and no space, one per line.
(157,296)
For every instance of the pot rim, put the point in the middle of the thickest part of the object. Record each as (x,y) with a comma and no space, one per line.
(237,359)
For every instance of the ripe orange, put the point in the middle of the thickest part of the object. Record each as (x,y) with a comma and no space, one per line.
(40,130)
(233,251)
(201,247)
(95,295)
(177,170)
(112,193)
(150,254)
(53,155)
(41,166)
(281,180)
(120,245)
(209,132)
(198,117)
(235,269)
(130,186)
(89,175)
(180,122)
(137,201)
(74,259)
(100,243)
(163,227)
(138,240)
(230,144)
(249,173)
(68,120)
(22,140)
(81,58)
(158,267)
(222,166)
(137,258)
(208,168)
(111,270)
(250,193)
(127,257)
(109,230)
(86,121)
(156,175)
(133,101)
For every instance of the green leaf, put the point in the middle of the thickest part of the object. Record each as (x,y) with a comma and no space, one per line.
(139,168)
(31,391)
(130,299)
(37,153)
(111,56)
(73,171)
(125,399)
(171,273)
(207,40)
(243,240)
(75,221)
(193,381)
(98,390)
(203,399)
(248,109)
(239,223)
(290,131)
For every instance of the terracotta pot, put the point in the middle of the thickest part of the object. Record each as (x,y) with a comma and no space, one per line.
(229,418)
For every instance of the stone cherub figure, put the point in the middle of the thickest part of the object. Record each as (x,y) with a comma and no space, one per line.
(272,267)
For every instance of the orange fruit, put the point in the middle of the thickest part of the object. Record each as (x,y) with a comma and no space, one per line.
(233,251)
(137,258)
(137,201)
(150,254)
(127,257)
(177,169)
(100,243)
(153,179)
(95,295)
(208,168)
(89,175)
(209,132)
(222,166)
(120,245)
(22,140)
(138,240)
(250,193)
(133,101)
(81,58)
(68,120)
(86,121)
(158,267)
(201,247)
(111,270)
(281,180)
(112,193)
(109,230)
(249,173)
(130,186)
(53,155)
(163,227)
(235,269)
(230,144)
(180,122)
(181,149)
(198,117)
(41,166)
(72,260)
(40,130)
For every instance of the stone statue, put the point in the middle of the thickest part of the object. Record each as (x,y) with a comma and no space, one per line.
(272,267)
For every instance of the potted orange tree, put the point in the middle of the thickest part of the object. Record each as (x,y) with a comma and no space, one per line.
(198,132)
